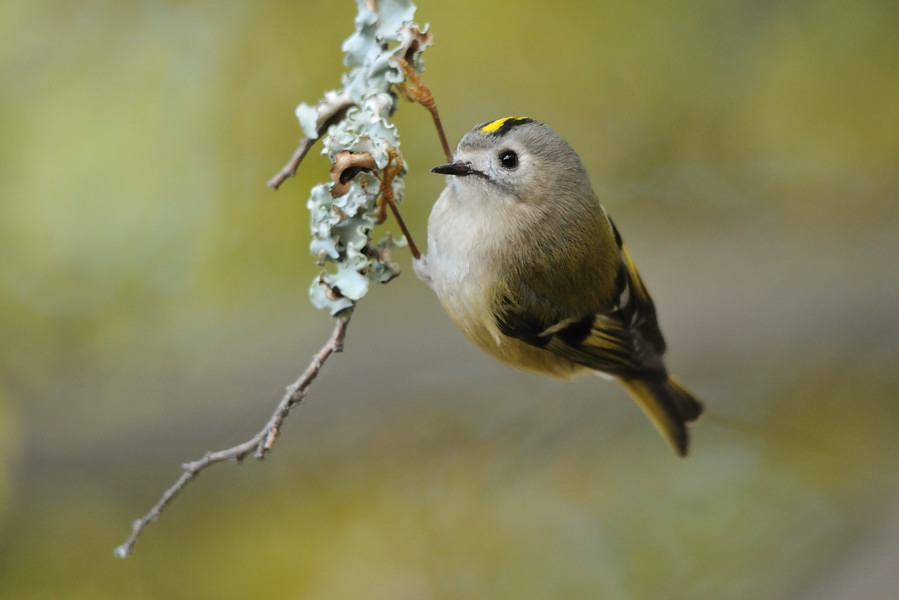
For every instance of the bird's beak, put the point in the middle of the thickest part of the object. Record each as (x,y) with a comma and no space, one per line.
(460,169)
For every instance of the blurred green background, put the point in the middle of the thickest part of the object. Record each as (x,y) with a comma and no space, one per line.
(153,302)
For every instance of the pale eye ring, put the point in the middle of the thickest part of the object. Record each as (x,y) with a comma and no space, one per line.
(508,159)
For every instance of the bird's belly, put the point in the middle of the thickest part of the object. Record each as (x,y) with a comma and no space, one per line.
(466,288)
(467,303)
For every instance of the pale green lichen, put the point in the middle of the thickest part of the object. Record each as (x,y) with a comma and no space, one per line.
(342,226)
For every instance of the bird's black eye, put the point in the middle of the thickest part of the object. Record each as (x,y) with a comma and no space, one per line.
(508,159)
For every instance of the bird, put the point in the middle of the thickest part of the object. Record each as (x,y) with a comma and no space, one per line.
(529,266)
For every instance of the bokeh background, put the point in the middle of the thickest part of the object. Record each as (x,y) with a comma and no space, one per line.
(153,306)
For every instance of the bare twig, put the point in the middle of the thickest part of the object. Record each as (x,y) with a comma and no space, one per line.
(290,169)
(259,445)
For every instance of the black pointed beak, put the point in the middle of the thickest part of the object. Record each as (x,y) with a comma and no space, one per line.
(460,169)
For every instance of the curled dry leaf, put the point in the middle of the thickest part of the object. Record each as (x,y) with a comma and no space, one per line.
(346,166)
(332,292)
(331,109)
(412,42)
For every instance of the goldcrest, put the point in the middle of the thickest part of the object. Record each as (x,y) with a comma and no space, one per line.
(530,267)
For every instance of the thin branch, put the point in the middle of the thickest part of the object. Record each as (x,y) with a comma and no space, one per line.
(413,249)
(393,168)
(290,169)
(259,445)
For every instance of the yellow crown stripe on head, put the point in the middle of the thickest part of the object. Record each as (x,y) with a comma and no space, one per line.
(496,125)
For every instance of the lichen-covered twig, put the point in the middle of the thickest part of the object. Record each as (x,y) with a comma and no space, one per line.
(366,177)
(382,53)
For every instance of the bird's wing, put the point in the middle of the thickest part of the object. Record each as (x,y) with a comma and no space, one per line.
(623,340)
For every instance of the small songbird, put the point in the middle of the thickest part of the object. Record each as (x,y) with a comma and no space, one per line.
(526,262)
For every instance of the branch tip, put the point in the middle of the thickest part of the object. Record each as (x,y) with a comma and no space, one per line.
(260,444)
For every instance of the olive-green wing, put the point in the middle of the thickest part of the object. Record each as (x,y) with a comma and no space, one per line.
(624,342)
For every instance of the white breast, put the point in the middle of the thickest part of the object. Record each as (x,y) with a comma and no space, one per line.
(464,273)
(459,245)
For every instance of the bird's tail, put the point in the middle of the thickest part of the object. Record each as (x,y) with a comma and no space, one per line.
(669,405)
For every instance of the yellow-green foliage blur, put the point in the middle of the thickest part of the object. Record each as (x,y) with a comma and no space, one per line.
(153,306)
